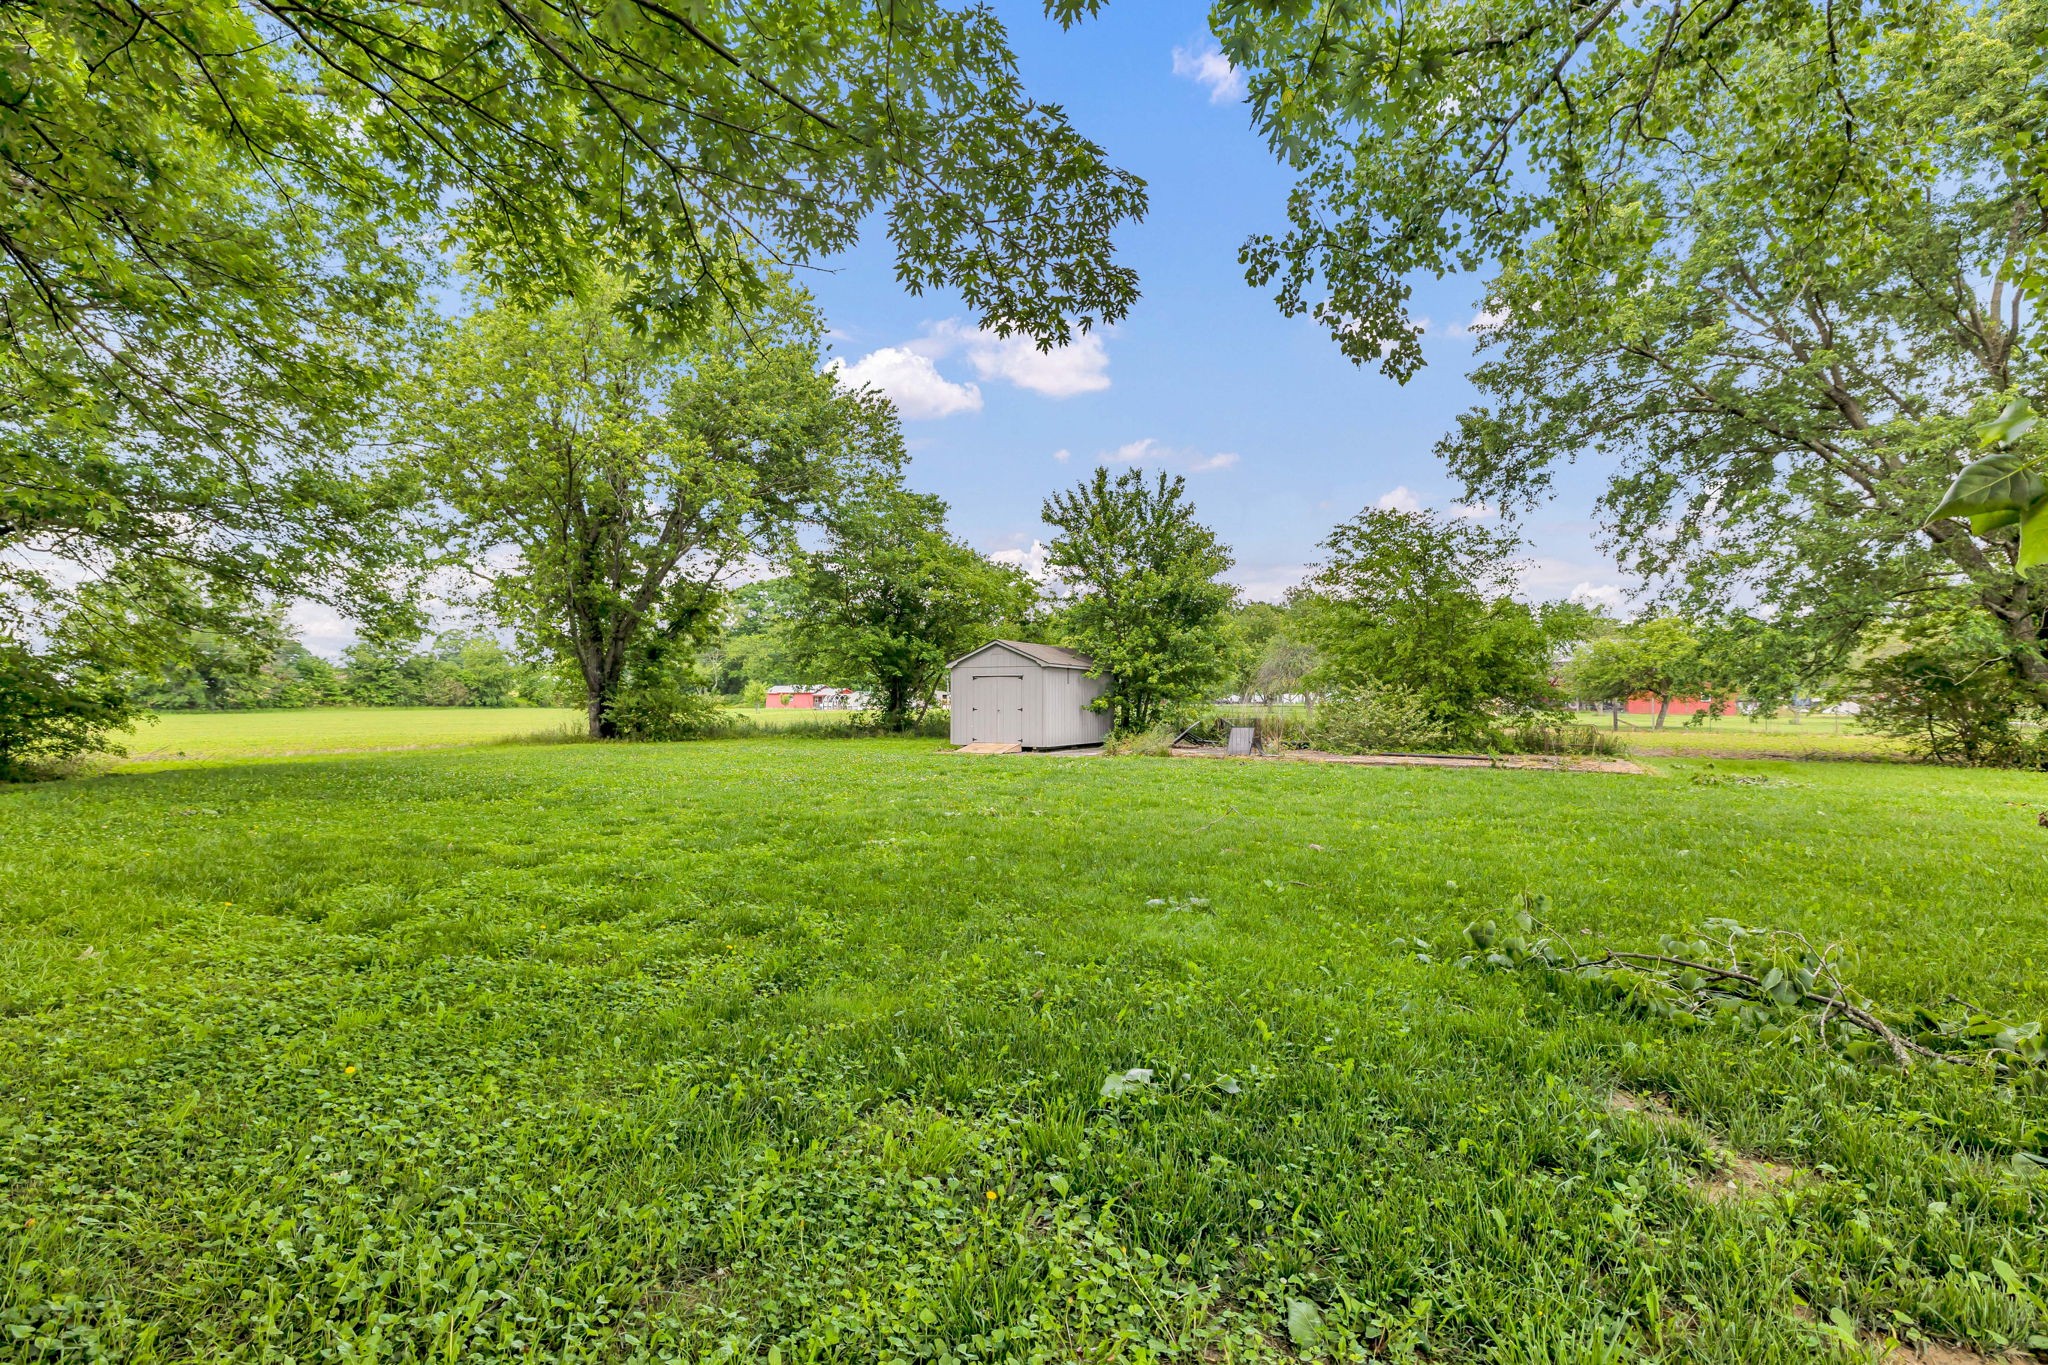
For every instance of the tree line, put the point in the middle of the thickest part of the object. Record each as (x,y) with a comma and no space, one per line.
(273,670)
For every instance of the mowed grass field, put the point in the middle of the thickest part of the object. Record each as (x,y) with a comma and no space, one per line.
(790,1050)
(1715,737)
(175,736)
(1739,736)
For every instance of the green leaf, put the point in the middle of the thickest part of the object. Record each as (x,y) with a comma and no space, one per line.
(2016,421)
(2034,536)
(1304,1323)
(1984,523)
(1996,483)
(1135,1079)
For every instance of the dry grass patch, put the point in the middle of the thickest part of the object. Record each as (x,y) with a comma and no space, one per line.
(1940,1353)
(1736,1176)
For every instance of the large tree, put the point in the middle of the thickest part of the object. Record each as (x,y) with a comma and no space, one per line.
(1767,260)
(1781,417)
(1658,657)
(1144,599)
(1418,603)
(603,485)
(891,598)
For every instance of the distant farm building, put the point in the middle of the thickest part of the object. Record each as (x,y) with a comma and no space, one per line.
(795,697)
(1034,696)
(1682,706)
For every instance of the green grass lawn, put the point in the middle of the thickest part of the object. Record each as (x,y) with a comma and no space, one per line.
(1716,737)
(174,736)
(1740,737)
(793,1050)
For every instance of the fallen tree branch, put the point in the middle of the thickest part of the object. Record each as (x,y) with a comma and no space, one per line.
(1774,982)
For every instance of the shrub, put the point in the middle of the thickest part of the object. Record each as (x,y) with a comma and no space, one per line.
(1156,742)
(668,708)
(1536,737)
(1388,718)
(1947,693)
(52,714)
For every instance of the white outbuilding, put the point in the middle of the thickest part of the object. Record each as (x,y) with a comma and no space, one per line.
(1036,696)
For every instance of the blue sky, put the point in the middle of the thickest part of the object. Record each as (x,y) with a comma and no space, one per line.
(1280,436)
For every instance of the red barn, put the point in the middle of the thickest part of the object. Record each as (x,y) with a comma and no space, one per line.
(784,697)
(1681,706)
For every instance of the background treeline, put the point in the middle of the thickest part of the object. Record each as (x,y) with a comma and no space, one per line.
(275,671)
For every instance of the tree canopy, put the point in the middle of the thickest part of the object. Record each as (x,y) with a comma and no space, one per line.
(890,599)
(603,486)
(1143,598)
(230,168)
(1444,137)
(1418,603)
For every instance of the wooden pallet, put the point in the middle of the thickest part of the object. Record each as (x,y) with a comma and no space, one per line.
(990,747)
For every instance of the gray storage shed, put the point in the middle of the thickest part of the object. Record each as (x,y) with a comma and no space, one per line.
(1037,696)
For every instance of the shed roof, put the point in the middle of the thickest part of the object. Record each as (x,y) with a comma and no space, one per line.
(1052,656)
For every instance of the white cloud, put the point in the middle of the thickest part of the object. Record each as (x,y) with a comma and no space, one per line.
(1473,511)
(1611,595)
(1031,561)
(1063,454)
(1543,578)
(1267,582)
(910,381)
(1210,69)
(1399,499)
(1147,450)
(1483,321)
(322,629)
(1081,366)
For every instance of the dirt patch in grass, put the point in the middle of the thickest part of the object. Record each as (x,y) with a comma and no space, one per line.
(1940,1353)
(685,1294)
(1735,1176)
(1652,1108)
(1741,1177)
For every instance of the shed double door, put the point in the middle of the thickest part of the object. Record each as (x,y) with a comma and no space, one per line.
(997,711)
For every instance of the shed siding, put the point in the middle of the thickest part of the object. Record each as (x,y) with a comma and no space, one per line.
(1065,696)
(1001,695)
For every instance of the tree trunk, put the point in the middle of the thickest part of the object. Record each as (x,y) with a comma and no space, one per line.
(1663,705)
(599,694)
(603,669)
